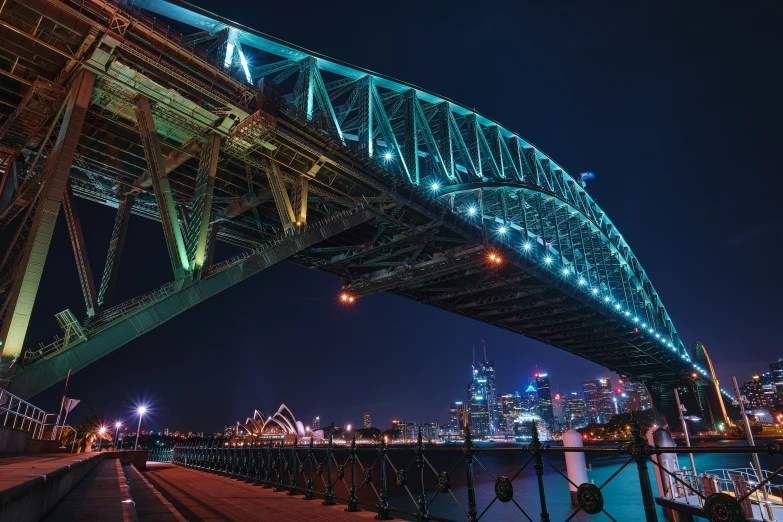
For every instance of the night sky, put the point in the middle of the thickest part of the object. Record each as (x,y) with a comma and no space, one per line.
(676,108)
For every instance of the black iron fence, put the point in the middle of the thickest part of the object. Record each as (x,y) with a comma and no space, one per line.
(417,482)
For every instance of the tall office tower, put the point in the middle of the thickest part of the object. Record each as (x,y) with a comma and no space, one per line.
(592,400)
(639,389)
(575,411)
(316,423)
(545,399)
(606,407)
(530,400)
(558,412)
(510,410)
(367,420)
(759,392)
(482,397)
(454,414)
(776,369)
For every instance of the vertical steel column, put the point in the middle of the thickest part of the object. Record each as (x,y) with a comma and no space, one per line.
(639,451)
(411,139)
(294,470)
(301,191)
(538,465)
(310,458)
(280,468)
(268,473)
(445,143)
(421,512)
(27,276)
(80,253)
(383,496)
(366,144)
(202,206)
(352,507)
(114,255)
(329,495)
(160,181)
(468,450)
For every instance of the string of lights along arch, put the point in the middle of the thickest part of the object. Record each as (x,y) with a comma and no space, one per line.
(222,133)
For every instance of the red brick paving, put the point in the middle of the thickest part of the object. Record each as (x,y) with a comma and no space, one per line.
(203,496)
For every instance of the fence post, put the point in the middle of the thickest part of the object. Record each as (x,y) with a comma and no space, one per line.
(310,457)
(352,491)
(421,512)
(329,495)
(280,467)
(639,451)
(294,469)
(259,462)
(468,450)
(538,466)
(383,506)
(268,473)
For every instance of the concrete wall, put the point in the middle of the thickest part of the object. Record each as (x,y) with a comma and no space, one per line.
(33,499)
(14,441)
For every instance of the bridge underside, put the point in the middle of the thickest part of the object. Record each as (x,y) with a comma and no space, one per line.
(388,187)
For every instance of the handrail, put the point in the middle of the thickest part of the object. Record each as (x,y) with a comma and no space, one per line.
(19,414)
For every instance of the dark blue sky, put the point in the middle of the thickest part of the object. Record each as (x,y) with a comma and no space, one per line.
(675,107)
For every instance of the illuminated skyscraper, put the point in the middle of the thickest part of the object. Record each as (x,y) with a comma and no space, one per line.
(530,400)
(640,390)
(367,420)
(598,396)
(456,415)
(558,403)
(545,399)
(316,423)
(576,416)
(483,408)
(510,410)
(591,400)
(776,369)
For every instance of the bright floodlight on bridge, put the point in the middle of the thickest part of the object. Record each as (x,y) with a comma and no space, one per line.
(595,290)
(606,299)
(526,246)
(566,271)
(472,211)
(495,258)
(387,156)
(617,306)
(435,186)
(581,281)
(502,230)
(347,298)
(547,259)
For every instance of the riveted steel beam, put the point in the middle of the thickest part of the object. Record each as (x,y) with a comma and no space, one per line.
(114,255)
(17,306)
(202,206)
(80,253)
(160,181)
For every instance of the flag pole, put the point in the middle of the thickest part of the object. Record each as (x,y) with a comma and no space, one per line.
(62,405)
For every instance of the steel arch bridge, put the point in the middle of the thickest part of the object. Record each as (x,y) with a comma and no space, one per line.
(228,134)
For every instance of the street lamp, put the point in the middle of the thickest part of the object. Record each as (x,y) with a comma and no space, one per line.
(101,432)
(117,425)
(142,410)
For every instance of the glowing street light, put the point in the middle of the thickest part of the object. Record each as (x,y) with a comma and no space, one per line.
(142,410)
(117,425)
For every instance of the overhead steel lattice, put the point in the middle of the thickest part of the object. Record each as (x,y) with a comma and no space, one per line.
(227,134)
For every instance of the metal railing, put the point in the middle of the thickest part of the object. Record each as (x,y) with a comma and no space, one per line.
(405,480)
(21,415)
(159,455)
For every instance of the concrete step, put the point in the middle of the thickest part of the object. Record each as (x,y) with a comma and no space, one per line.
(102,495)
(30,485)
(151,506)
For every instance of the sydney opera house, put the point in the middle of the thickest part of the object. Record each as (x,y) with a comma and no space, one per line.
(282,424)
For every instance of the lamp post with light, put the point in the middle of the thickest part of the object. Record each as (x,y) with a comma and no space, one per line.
(117,425)
(142,410)
(102,433)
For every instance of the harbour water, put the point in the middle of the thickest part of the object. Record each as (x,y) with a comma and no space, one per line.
(622,494)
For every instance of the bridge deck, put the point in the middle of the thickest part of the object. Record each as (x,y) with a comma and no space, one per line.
(201,496)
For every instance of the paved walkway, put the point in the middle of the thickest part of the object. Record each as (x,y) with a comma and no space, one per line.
(202,496)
